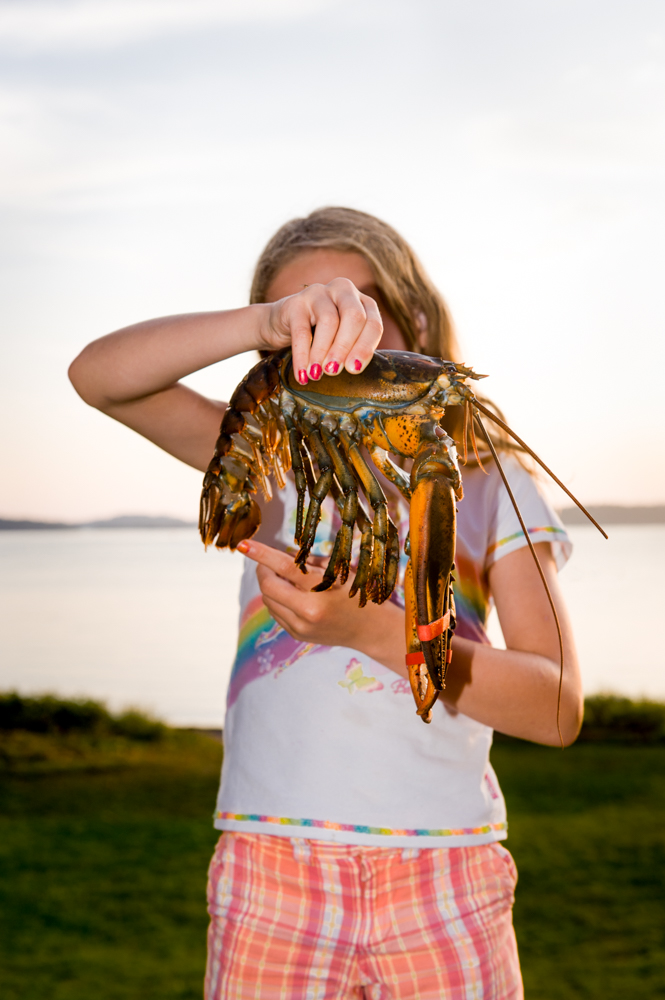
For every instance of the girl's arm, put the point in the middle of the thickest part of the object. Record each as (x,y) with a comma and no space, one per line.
(513,690)
(133,374)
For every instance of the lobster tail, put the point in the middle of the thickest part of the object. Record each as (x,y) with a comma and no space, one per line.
(211,509)
(227,513)
(239,520)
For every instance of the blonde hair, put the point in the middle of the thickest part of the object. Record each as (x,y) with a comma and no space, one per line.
(407,291)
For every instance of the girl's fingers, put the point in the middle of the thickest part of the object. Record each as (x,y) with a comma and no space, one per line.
(300,327)
(331,327)
(284,602)
(367,341)
(326,322)
(283,615)
(278,589)
(312,318)
(352,320)
(282,565)
(301,338)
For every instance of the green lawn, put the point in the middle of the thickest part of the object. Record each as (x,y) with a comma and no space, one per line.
(587,830)
(102,869)
(102,877)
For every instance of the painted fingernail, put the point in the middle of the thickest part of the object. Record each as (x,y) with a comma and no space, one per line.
(243,547)
(357,365)
(302,376)
(332,368)
(315,371)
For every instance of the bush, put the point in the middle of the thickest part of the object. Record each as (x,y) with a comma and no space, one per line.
(608,718)
(47,714)
(138,726)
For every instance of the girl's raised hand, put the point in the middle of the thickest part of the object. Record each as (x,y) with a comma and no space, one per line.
(329,327)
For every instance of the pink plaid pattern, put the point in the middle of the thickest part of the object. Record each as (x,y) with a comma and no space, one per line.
(299,919)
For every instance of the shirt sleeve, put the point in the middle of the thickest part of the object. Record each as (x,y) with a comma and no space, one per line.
(543,523)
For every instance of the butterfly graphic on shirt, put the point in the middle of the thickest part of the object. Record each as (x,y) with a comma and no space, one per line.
(356,680)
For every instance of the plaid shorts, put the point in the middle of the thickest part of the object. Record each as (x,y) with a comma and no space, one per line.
(299,919)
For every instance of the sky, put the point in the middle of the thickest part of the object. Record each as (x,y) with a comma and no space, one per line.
(148,150)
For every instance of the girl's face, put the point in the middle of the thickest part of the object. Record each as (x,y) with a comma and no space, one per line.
(320,267)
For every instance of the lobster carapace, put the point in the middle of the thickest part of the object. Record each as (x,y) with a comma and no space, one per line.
(324,432)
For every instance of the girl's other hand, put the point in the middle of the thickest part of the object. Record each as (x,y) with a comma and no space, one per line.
(329,327)
(329,618)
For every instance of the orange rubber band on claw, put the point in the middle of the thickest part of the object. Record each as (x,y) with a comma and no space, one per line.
(412,659)
(428,632)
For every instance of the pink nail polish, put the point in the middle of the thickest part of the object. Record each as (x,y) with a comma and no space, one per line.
(315,372)
(332,368)
(302,376)
(357,365)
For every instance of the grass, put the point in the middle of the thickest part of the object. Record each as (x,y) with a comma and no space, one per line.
(587,833)
(106,835)
(103,866)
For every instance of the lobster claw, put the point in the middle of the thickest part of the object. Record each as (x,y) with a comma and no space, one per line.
(430,610)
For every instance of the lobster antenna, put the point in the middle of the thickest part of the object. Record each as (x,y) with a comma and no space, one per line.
(499,421)
(475,444)
(538,566)
(466,431)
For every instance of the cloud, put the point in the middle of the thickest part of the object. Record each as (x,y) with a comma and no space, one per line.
(82,24)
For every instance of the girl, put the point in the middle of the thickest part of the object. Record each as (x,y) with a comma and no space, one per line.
(360,854)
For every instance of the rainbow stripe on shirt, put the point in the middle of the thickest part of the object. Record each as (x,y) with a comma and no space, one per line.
(324,824)
(263,648)
(550,529)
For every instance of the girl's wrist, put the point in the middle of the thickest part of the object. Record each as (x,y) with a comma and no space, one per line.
(266,339)
(384,641)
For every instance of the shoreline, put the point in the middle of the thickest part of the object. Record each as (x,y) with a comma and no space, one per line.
(603,513)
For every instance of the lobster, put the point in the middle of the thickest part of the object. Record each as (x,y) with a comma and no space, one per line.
(273,424)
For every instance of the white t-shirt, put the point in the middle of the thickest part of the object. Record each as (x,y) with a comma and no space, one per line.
(324,742)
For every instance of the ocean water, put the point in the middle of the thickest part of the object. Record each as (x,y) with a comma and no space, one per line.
(618,628)
(146,618)
(135,617)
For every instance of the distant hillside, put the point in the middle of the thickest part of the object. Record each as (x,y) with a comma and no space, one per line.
(9,525)
(139,521)
(614,514)
(124,521)
(604,513)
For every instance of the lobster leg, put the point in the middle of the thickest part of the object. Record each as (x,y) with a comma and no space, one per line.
(376,590)
(364,559)
(297,465)
(365,556)
(399,479)
(392,559)
(392,472)
(319,493)
(341,555)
